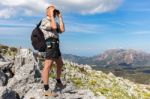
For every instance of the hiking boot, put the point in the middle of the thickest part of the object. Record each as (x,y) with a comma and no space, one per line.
(50,93)
(60,85)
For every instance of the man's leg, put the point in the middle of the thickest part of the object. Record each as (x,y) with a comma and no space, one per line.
(45,74)
(59,64)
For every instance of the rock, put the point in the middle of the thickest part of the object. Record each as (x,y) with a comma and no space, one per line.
(3,79)
(69,88)
(5,71)
(2,89)
(34,94)
(23,79)
(10,94)
(101,97)
(86,94)
(22,59)
(2,59)
(25,75)
(8,70)
(5,65)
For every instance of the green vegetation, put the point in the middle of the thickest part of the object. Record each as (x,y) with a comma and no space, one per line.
(5,50)
(137,74)
(105,84)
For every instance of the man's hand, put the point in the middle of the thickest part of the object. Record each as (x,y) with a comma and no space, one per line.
(59,15)
(62,26)
(51,12)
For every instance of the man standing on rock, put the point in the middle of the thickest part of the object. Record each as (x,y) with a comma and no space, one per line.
(51,30)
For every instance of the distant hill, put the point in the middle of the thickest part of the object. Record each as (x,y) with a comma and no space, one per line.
(130,64)
(117,57)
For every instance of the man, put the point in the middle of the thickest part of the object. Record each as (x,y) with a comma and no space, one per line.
(51,30)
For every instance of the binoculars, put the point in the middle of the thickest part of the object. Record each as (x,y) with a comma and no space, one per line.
(56,12)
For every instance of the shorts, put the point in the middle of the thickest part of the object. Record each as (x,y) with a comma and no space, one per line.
(52,51)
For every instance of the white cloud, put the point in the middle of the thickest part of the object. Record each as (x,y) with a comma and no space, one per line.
(88,6)
(7,13)
(21,7)
(74,27)
(29,7)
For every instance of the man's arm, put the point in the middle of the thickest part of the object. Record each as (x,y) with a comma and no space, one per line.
(53,23)
(61,23)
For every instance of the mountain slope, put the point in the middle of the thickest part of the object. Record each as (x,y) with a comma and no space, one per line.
(130,64)
(105,84)
(82,81)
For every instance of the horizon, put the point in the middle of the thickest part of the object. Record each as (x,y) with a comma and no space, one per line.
(90,30)
(78,55)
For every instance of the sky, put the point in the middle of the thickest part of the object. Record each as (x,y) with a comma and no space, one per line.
(92,26)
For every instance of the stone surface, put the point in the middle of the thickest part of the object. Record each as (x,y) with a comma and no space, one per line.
(10,94)
(23,79)
(3,78)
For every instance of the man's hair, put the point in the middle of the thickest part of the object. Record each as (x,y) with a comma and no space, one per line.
(47,9)
(52,5)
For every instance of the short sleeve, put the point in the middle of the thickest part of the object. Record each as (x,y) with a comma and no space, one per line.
(45,25)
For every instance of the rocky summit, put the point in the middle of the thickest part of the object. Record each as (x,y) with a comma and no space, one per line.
(20,78)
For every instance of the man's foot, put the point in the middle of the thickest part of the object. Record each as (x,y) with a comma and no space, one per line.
(50,93)
(60,85)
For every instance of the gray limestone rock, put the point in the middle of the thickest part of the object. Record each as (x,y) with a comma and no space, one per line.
(10,94)
(3,79)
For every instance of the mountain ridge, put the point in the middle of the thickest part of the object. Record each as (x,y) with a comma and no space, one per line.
(113,56)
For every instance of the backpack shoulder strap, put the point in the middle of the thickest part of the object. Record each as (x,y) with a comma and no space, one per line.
(38,25)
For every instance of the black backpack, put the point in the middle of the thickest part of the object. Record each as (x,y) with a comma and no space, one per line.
(37,39)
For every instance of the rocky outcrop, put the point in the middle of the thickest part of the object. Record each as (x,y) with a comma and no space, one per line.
(81,81)
(25,73)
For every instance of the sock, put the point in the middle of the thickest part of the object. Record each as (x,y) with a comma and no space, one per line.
(58,80)
(46,87)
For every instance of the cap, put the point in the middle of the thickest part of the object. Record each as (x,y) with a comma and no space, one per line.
(51,5)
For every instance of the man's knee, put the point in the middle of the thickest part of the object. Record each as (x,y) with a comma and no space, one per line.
(46,67)
(60,64)
(47,64)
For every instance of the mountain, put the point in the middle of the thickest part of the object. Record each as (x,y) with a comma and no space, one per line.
(117,57)
(20,78)
(130,64)
(123,57)
(74,58)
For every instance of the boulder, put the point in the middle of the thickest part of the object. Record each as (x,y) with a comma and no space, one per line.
(10,94)
(23,79)
(26,74)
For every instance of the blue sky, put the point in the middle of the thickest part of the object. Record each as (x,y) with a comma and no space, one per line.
(89,31)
